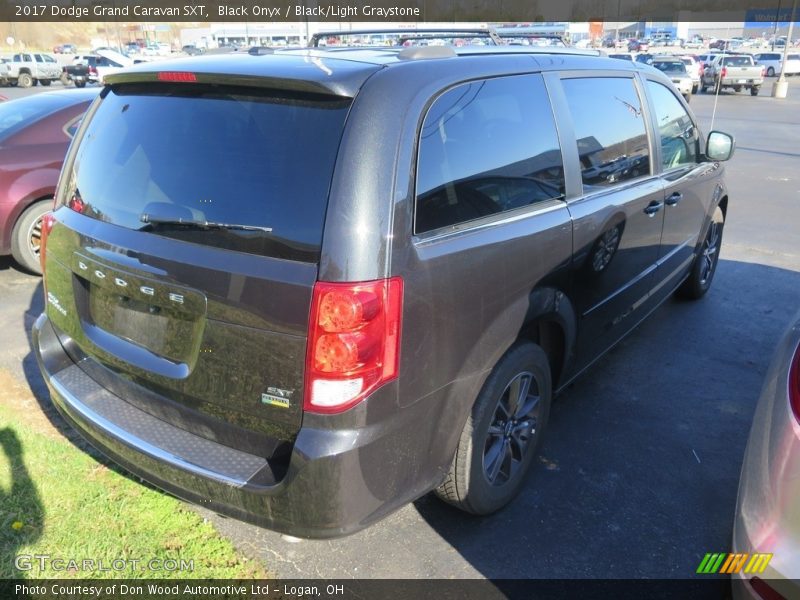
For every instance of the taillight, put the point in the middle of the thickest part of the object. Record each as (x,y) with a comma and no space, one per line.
(353,342)
(794,384)
(763,71)
(48,220)
(178,76)
(724,72)
(93,70)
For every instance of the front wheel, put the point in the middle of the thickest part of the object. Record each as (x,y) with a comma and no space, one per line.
(502,434)
(705,263)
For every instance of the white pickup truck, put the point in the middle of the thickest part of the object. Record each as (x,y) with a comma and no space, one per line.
(737,71)
(29,68)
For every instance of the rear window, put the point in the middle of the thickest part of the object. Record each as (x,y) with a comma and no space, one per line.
(737,61)
(207,154)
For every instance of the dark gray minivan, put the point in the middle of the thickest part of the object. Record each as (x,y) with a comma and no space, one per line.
(305,288)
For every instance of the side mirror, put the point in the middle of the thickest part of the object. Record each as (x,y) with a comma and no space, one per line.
(719,146)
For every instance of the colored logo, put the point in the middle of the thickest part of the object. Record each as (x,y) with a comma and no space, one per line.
(730,563)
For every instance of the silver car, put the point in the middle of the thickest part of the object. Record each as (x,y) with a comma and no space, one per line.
(675,69)
(768,509)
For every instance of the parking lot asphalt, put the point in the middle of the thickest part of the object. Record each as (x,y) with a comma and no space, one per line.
(639,470)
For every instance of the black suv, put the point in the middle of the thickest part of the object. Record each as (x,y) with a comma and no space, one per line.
(305,288)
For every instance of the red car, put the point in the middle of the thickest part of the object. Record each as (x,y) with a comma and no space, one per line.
(35,133)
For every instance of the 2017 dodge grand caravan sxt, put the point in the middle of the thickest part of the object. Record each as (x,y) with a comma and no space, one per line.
(305,288)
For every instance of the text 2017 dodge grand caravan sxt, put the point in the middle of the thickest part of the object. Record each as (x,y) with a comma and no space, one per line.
(308,287)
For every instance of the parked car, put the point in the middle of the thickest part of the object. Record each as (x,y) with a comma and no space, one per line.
(621,56)
(5,71)
(766,522)
(369,326)
(92,68)
(694,70)
(675,69)
(638,46)
(29,68)
(772,61)
(739,72)
(705,59)
(34,134)
(192,50)
(65,49)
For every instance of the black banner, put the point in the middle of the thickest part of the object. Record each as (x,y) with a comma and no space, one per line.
(531,11)
(711,588)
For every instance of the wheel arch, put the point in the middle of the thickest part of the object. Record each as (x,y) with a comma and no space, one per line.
(551,323)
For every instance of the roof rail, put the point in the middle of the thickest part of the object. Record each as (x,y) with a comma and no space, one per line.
(403,37)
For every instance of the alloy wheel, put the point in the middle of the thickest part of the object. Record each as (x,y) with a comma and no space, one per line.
(513,429)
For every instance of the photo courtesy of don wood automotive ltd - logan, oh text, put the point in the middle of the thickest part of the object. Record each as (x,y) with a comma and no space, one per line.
(399,299)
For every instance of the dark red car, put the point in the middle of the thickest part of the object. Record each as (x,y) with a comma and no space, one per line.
(35,133)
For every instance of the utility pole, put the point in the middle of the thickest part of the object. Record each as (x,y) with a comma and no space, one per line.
(781,87)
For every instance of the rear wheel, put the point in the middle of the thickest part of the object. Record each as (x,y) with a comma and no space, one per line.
(771,72)
(737,88)
(25,80)
(705,264)
(502,434)
(45,82)
(81,83)
(26,237)
(754,90)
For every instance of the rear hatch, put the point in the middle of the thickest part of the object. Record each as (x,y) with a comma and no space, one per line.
(180,270)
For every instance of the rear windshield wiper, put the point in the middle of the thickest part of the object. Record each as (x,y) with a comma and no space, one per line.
(199,224)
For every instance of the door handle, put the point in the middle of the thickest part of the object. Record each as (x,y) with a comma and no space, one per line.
(653,208)
(673,199)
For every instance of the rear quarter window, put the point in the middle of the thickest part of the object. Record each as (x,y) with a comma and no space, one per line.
(487,147)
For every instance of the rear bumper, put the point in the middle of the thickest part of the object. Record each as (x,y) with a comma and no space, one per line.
(339,479)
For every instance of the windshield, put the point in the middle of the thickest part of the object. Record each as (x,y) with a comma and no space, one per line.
(670,66)
(213,154)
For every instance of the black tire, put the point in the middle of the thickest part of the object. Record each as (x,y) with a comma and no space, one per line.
(26,235)
(25,80)
(81,83)
(695,88)
(737,88)
(705,264)
(771,72)
(496,430)
(45,82)
(754,90)
(687,97)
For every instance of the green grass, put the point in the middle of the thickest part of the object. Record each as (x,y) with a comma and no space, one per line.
(58,500)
